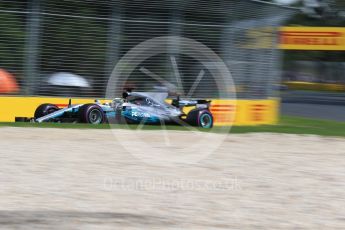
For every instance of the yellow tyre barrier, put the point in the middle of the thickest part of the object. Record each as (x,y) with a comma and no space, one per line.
(225,112)
(300,85)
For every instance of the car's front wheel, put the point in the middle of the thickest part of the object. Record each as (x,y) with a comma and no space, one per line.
(45,109)
(91,114)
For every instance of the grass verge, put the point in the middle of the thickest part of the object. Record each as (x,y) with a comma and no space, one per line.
(287,124)
(298,125)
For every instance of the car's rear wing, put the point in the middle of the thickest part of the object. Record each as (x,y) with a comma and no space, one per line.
(185,103)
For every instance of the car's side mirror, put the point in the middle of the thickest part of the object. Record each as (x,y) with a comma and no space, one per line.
(125,95)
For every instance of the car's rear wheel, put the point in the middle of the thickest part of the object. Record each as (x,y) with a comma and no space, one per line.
(201,118)
(91,114)
(206,120)
(45,109)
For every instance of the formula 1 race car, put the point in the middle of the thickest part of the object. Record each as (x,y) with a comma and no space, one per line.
(134,107)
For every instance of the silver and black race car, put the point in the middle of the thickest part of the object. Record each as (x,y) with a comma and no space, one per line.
(134,107)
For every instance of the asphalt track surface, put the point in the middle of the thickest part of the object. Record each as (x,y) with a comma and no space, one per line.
(316,111)
(318,105)
(85,179)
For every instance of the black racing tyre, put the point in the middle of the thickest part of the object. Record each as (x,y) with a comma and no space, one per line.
(200,117)
(45,109)
(91,114)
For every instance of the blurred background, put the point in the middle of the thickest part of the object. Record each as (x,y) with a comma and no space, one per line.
(69,48)
(42,38)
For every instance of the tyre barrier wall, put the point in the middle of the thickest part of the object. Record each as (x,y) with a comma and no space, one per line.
(225,112)
(300,85)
